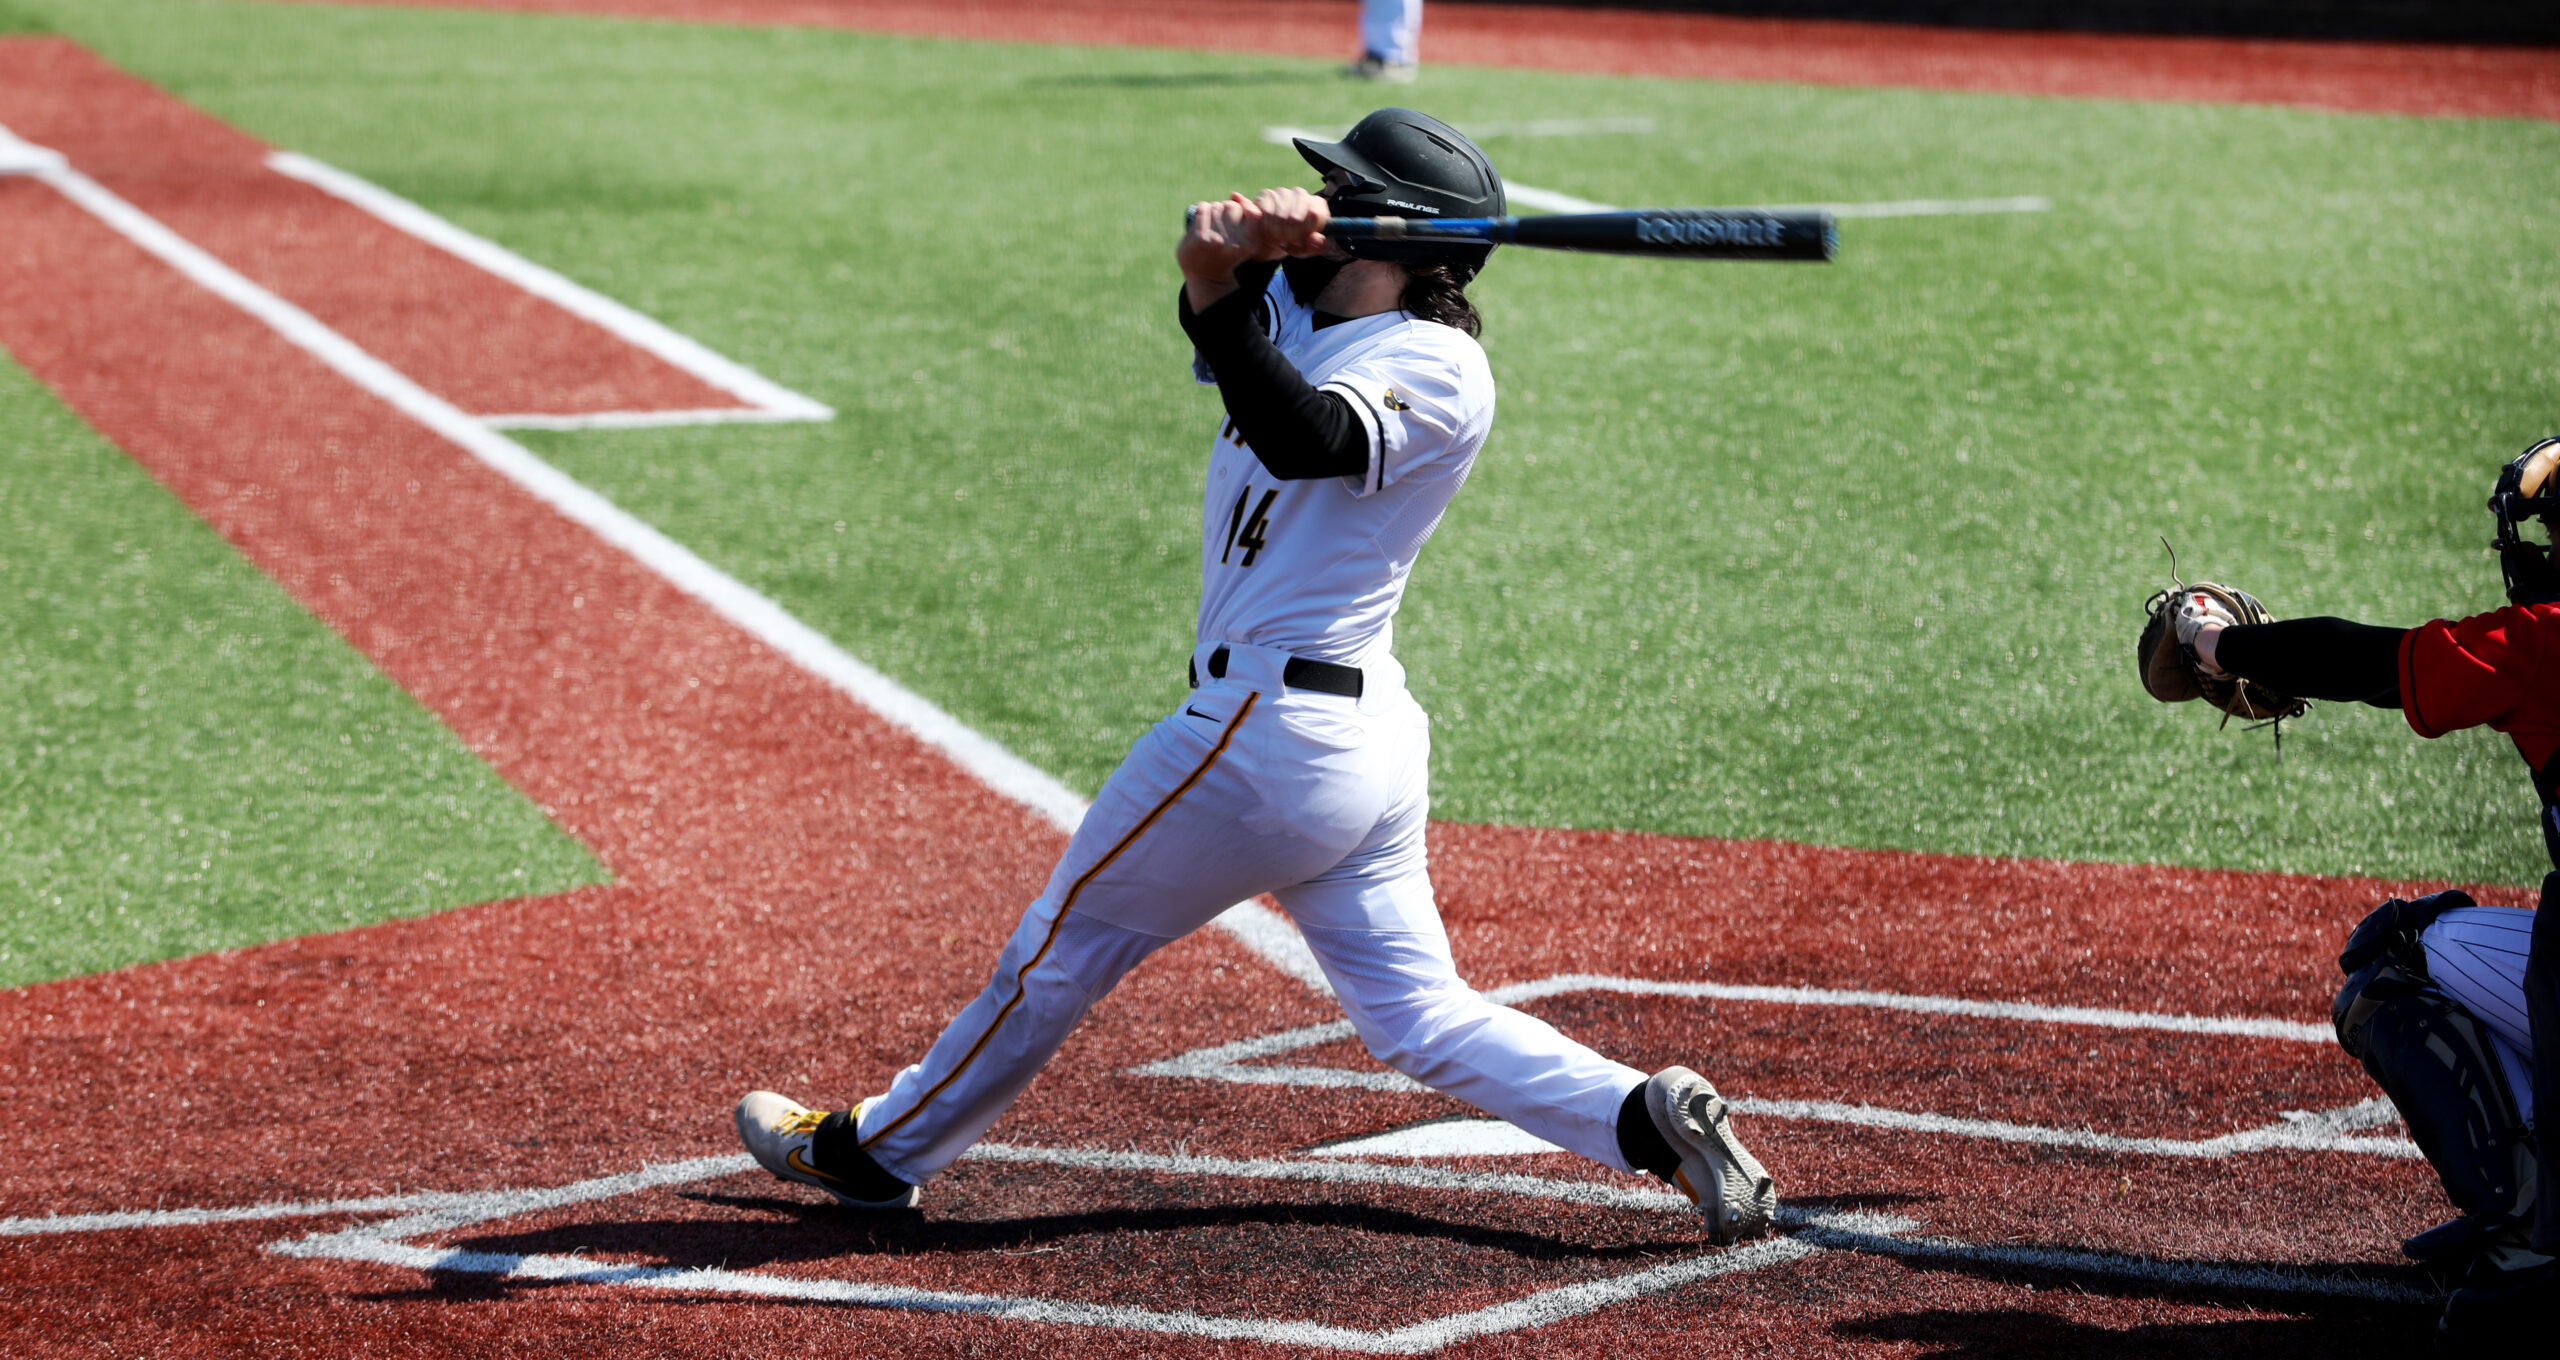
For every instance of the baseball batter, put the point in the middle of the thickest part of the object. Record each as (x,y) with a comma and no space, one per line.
(2452,1007)
(1356,398)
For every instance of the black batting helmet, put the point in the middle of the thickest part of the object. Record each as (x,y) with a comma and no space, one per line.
(2528,489)
(1406,164)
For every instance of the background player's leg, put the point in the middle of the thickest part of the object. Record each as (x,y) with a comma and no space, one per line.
(1167,845)
(1392,30)
(1373,925)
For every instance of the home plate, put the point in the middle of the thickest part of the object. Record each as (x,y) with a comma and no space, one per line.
(1442,1138)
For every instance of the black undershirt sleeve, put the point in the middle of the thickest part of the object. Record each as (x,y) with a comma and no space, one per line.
(1296,431)
(2318,658)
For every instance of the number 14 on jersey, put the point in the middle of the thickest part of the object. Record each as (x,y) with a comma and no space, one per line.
(1248,531)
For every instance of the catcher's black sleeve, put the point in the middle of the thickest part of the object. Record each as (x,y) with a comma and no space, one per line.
(2318,658)
(1296,431)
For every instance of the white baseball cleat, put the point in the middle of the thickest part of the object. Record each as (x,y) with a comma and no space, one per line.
(779,1133)
(1726,1182)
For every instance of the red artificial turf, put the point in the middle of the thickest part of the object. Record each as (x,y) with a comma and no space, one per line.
(2431,79)
(804,894)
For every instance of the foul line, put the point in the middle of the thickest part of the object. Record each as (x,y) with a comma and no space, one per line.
(1550,200)
(1267,934)
(766,400)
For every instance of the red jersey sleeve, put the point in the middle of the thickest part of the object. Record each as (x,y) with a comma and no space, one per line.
(2494,670)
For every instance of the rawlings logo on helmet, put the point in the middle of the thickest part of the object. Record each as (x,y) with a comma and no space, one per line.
(1399,163)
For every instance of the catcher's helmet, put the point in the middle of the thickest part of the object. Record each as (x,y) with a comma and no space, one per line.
(2528,488)
(1406,164)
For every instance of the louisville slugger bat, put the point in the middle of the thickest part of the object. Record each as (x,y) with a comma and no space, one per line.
(1683,233)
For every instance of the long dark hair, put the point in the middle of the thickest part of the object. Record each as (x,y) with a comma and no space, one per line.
(1438,292)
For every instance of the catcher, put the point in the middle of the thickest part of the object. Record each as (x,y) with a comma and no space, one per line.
(2454,1008)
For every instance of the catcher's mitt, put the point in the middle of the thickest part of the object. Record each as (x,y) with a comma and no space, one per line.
(2174,674)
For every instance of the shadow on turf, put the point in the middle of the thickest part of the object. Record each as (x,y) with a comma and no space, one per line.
(2017,1334)
(818,1232)
(2101,1282)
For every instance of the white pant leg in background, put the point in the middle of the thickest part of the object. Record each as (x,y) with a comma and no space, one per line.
(1248,789)
(2476,955)
(1393,30)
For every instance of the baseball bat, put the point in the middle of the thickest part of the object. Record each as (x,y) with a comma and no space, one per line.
(1680,233)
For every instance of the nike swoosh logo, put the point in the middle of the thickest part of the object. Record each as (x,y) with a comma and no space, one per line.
(1198,714)
(801,1164)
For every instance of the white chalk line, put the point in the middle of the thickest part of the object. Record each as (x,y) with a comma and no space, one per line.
(1283,135)
(1803,1233)
(2023,1011)
(122,1220)
(1239,1063)
(640,420)
(1550,200)
(1264,932)
(18,157)
(1924,207)
(2296,1131)
(767,400)
(1534,1310)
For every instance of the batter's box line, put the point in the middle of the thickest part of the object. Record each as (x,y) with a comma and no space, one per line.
(2334,1130)
(1803,1234)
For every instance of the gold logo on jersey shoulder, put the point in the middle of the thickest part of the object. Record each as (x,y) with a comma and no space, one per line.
(1396,403)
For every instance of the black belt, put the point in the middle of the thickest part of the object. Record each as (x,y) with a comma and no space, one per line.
(1323,677)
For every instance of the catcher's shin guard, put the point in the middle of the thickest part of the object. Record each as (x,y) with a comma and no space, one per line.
(2432,1058)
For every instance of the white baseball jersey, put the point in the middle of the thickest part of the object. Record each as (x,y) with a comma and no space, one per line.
(1317,567)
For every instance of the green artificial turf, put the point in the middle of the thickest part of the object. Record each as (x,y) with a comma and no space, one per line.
(188,761)
(1850,554)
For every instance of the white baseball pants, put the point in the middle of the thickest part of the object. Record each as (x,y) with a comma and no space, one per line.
(1393,30)
(2476,955)
(1252,788)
